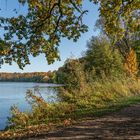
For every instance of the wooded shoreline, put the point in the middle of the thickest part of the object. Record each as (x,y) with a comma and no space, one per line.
(40,77)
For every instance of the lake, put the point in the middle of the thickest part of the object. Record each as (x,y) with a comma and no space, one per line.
(13,93)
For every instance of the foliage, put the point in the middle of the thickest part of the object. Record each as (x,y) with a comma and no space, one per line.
(27,77)
(131,64)
(72,72)
(128,42)
(136,46)
(96,91)
(101,57)
(48,21)
(120,17)
(41,30)
(42,112)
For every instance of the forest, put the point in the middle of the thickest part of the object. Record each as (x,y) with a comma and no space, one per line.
(40,77)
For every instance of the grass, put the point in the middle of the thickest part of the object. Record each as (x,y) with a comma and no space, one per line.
(79,114)
(112,107)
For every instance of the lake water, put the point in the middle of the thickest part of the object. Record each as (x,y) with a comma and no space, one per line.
(13,93)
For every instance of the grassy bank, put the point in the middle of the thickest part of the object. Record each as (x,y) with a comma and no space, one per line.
(110,108)
(78,115)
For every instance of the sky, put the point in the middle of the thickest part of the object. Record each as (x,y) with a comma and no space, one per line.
(67,48)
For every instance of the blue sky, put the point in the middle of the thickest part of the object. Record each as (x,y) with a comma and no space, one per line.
(67,48)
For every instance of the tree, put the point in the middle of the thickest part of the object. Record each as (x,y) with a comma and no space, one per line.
(102,58)
(131,64)
(71,73)
(48,21)
(120,16)
(121,23)
(41,30)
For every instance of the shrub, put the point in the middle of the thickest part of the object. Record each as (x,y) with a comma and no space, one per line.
(42,112)
(97,94)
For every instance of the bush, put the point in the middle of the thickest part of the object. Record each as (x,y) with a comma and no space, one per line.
(73,74)
(42,112)
(97,94)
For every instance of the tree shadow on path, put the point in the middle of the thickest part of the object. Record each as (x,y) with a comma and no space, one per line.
(123,125)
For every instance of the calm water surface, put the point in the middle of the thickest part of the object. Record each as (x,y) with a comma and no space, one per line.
(12,93)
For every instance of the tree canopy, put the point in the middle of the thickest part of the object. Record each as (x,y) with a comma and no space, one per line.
(48,21)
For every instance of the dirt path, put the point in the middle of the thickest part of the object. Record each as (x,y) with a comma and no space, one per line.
(123,125)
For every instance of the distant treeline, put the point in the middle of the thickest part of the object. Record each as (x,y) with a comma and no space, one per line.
(27,77)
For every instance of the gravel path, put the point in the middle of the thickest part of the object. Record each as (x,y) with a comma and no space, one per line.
(123,125)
